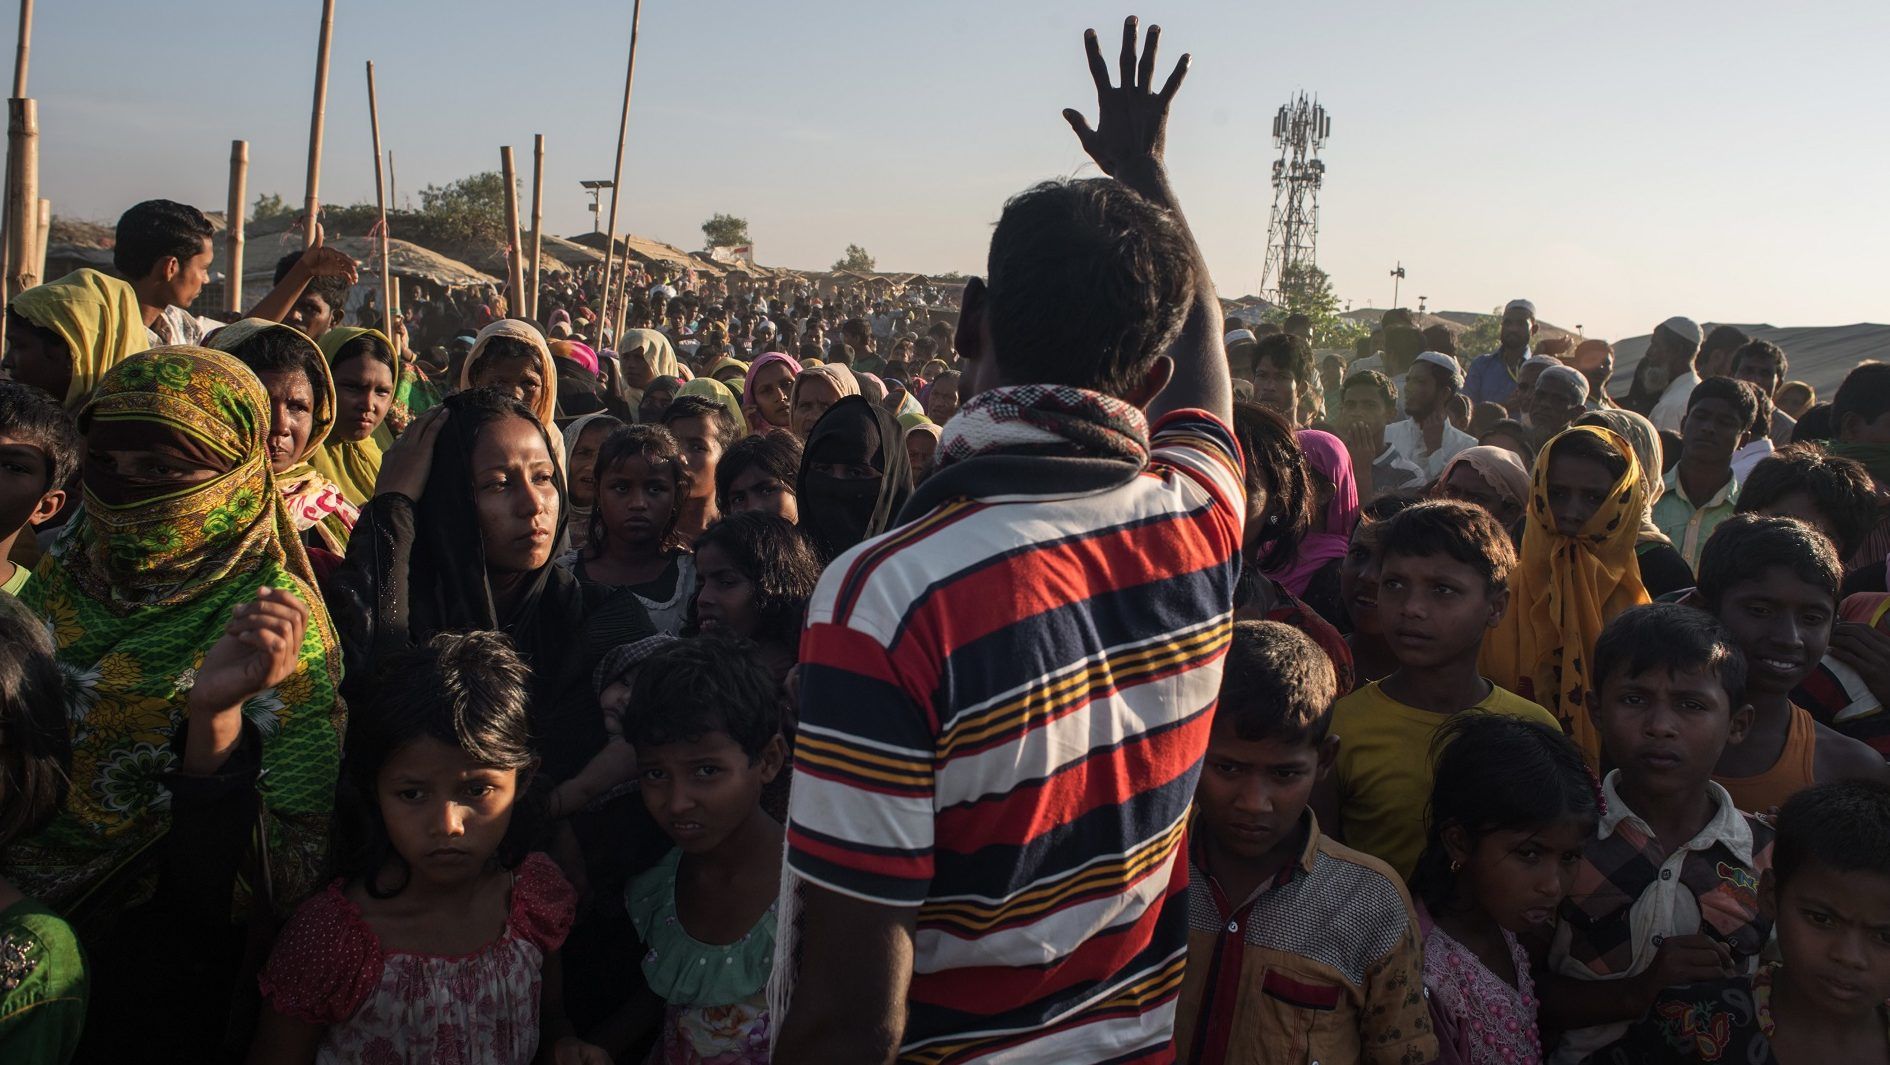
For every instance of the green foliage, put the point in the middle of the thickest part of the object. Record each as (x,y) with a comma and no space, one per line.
(270,206)
(725,231)
(1481,338)
(856,259)
(1307,290)
(470,210)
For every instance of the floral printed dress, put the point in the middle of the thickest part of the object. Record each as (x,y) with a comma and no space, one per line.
(717,995)
(1479,1018)
(405,1008)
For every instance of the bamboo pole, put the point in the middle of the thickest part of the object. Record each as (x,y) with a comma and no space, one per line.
(380,200)
(233,234)
(393,181)
(515,263)
(538,218)
(311,204)
(24,50)
(616,175)
(22,208)
(42,233)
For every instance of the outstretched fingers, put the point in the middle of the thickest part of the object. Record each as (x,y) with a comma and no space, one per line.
(1126,62)
(1098,70)
(1174,78)
(1145,74)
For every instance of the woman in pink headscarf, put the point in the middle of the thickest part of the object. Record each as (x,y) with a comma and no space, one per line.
(767,391)
(1313,572)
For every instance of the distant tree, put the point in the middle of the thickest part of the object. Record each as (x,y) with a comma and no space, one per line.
(471,209)
(1307,290)
(270,206)
(856,259)
(1481,338)
(725,231)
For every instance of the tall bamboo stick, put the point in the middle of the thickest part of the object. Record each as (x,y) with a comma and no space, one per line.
(22,208)
(311,204)
(538,217)
(515,263)
(42,232)
(24,49)
(380,201)
(616,175)
(393,181)
(233,234)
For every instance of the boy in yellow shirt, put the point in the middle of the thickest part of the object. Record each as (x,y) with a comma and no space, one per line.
(1444,583)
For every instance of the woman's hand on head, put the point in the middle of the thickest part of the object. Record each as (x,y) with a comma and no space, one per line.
(574,1051)
(405,468)
(258,650)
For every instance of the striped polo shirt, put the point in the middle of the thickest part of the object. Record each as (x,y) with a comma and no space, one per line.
(1005,704)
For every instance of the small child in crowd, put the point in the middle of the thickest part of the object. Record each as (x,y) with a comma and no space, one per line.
(43,984)
(1513,806)
(397,959)
(1358,589)
(39,453)
(1442,585)
(707,733)
(633,541)
(1773,582)
(1299,948)
(1667,890)
(1829,893)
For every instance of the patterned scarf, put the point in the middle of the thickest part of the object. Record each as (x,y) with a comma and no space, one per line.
(135,594)
(1050,420)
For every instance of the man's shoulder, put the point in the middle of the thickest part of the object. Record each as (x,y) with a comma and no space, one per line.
(1503,701)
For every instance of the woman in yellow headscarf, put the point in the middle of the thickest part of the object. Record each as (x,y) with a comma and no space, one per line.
(1663,568)
(1577,571)
(62,336)
(302,413)
(512,355)
(721,394)
(365,369)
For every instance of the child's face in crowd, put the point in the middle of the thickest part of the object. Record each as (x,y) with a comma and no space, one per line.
(1782,623)
(521,375)
(33,359)
(1275,389)
(1252,792)
(515,492)
(445,813)
(364,389)
(773,387)
(725,599)
(755,489)
(701,791)
(650,408)
(26,494)
(1358,579)
(312,315)
(1713,430)
(1665,729)
(636,499)
(584,464)
(1834,932)
(291,415)
(815,396)
(1577,488)
(921,450)
(1518,876)
(701,450)
(1433,609)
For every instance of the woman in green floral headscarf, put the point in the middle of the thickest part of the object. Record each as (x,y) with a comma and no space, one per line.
(181,523)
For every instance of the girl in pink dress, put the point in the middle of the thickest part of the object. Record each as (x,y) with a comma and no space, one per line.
(1511,806)
(438,943)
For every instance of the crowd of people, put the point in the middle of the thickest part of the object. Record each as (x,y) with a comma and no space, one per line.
(1048,671)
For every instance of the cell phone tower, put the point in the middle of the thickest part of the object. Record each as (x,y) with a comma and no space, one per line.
(1300,129)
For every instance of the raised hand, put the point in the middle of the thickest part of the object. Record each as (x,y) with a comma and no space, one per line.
(405,468)
(1132,118)
(258,650)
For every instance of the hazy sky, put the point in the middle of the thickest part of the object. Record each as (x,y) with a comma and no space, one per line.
(1617,162)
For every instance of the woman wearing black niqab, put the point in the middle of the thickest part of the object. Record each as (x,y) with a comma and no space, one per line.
(854,478)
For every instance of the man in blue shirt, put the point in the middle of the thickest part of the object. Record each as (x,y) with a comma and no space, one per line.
(1492,377)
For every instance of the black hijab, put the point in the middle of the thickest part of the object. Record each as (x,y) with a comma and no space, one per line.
(839,512)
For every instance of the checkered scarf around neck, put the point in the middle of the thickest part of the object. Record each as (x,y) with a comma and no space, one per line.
(1049,420)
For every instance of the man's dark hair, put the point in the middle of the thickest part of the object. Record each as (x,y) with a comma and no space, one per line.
(780,564)
(1672,637)
(1736,393)
(332,290)
(778,452)
(1762,349)
(1377,382)
(1087,284)
(156,229)
(1840,489)
(1277,685)
(1816,426)
(1724,338)
(1843,826)
(704,684)
(1762,409)
(1440,339)
(1865,393)
(1746,545)
(1458,531)
(701,406)
(1290,352)
(1297,323)
(30,416)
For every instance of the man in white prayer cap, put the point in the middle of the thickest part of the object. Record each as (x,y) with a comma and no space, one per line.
(1667,371)
(1427,439)
(1493,376)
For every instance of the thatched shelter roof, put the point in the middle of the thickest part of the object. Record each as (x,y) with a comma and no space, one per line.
(409,262)
(648,251)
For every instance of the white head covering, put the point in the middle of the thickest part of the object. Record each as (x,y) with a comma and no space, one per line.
(1544,361)
(1520,305)
(1684,328)
(1238,335)
(1566,377)
(1444,363)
